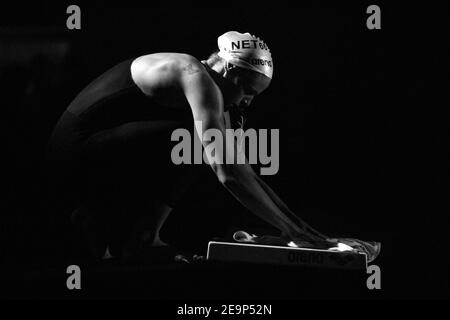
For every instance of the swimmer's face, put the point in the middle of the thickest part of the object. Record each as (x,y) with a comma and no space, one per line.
(246,84)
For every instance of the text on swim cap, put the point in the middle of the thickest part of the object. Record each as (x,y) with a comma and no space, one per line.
(261,62)
(248,44)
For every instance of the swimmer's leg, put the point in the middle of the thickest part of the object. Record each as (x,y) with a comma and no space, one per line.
(146,231)
(162,212)
(94,233)
(121,181)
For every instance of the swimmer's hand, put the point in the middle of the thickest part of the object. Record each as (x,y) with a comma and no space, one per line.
(309,240)
(302,240)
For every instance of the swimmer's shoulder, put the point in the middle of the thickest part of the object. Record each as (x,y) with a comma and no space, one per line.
(164,69)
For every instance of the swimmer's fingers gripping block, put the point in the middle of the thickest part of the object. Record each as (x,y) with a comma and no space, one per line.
(277,255)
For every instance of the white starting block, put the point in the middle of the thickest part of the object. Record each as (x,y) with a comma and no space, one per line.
(265,254)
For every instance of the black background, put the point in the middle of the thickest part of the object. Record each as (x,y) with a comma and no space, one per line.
(363,130)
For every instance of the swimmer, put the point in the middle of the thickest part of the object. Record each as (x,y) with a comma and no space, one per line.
(116,133)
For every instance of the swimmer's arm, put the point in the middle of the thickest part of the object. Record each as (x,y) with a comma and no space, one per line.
(286,209)
(206,103)
(273,196)
(260,199)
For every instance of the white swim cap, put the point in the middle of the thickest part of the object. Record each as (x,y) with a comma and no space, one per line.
(246,51)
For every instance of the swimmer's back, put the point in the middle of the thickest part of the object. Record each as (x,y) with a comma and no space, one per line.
(123,94)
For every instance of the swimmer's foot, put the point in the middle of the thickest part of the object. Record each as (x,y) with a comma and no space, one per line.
(157,251)
(161,252)
(167,253)
(159,243)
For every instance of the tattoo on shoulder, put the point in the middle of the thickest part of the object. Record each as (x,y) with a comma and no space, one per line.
(190,69)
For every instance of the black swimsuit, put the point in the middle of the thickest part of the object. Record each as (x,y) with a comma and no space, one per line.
(112,146)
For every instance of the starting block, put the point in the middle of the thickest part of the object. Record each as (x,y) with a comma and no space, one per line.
(288,256)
